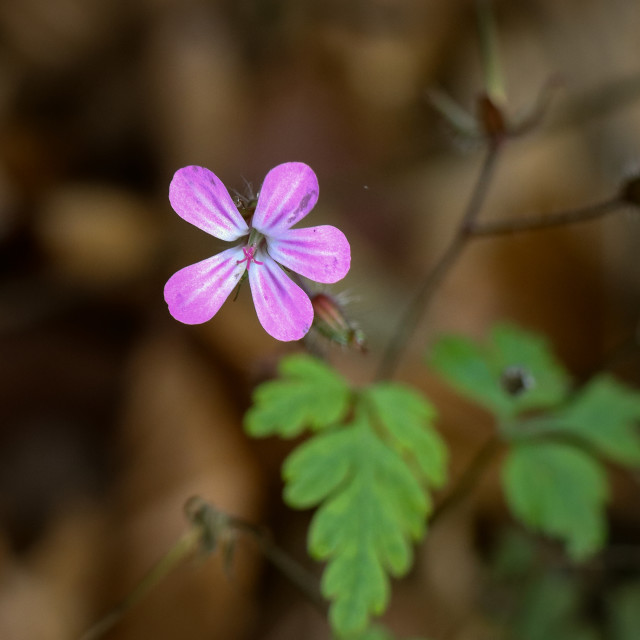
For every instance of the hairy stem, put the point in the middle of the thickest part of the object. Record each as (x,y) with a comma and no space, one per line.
(303,580)
(469,478)
(185,546)
(536,223)
(417,308)
(210,530)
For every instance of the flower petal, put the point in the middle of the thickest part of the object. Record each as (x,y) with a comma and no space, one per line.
(318,253)
(287,195)
(200,198)
(194,294)
(283,308)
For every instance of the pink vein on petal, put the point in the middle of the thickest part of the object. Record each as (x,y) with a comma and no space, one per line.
(318,253)
(288,193)
(196,293)
(199,197)
(283,308)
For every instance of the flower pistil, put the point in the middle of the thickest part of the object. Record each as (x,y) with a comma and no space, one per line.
(255,238)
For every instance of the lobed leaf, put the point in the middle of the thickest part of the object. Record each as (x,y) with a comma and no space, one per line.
(559,490)
(605,415)
(365,477)
(514,372)
(407,419)
(308,395)
(371,507)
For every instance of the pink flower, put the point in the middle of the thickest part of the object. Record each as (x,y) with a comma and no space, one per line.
(289,192)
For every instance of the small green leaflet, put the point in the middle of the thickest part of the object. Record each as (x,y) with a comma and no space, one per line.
(366,469)
(605,415)
(551,477)
(559,490)
(310,395)
(515,372)
(403,415)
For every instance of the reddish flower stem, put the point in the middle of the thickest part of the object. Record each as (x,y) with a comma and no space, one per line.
(417,308)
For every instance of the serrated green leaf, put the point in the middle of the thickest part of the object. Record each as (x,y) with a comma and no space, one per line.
(559,490)
(604,414)
(372,506)
(407,418)
(514,372)
(317,467)
(309,395)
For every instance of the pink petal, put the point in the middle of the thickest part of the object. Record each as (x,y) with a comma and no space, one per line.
(283,308)
(199,197)
(318,253)
(194,294)
(287,195)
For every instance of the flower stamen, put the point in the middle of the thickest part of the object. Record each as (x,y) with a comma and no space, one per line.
(248,256)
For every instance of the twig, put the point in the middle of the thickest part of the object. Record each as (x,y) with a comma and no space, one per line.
(305,581)
(467,481)
(210,529)
(186,545)
(420,303)
(536,223)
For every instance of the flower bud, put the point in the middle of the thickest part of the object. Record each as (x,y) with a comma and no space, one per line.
(330,321)
(515,380)
(491,118)
(246,205)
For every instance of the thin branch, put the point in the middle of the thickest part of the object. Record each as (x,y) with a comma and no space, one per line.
(469,478)
(420,303)
(210,529)
(537,223)
(186,545)
(303,580)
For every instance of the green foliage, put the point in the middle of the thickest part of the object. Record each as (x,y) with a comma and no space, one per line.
(364,525)
(559,490)
(366,469)
(549,610)
(403,414)
(551,477)
(624,612)
(514,372)
(310,395)
(605,416)
(534,598)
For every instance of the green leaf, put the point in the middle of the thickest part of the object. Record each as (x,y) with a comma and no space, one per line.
(368,478)
(407,418)
(514,372)
(549,610)
(372,506)
(558,490)
(623,606)
(308,395)
(605,415)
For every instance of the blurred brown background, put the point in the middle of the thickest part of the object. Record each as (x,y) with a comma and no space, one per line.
(112,414)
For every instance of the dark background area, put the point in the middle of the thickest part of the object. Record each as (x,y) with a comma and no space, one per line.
(112,414)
